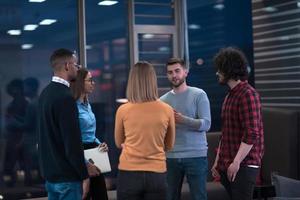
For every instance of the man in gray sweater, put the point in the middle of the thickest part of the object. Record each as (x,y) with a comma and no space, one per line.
(192,115)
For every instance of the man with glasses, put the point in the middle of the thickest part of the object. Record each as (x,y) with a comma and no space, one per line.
(60,149)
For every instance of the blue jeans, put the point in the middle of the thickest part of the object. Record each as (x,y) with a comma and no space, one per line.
(195,170)
(141,185)
(64,191)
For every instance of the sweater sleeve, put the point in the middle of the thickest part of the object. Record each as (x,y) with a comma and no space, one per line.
(203,120)
(70,130)
(170,135)
(119,128)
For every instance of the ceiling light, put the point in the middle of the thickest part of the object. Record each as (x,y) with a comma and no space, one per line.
(194,26)
(27,46)
(122,100)
(219,6)
(88,47)
(270,9)
(107,3)
(148,36)
(298,4)
(37,1)
(47,21)
(163,48)
(30,27)
(284,37)
(14,32)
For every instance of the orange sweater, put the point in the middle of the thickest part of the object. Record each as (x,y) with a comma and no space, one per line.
(147,130)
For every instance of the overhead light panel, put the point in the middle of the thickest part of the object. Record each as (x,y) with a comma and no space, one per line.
(30,27)
(47,21)
(219,6)
(148,36)
(27,46)
(122,100)
(14,32)
(37,1)
(107,3)
(194,26)
(270,9)
(163,48)
(88,47)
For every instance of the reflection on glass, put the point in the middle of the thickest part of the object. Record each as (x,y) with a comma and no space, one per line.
(29,34)
(108,61)
(157,49)
(154,12)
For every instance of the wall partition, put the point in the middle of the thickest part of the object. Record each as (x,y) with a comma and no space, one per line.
(29,32)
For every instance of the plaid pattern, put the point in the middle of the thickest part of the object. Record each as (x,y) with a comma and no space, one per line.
(241,122)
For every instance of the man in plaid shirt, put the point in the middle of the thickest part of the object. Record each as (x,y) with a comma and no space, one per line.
(242,143)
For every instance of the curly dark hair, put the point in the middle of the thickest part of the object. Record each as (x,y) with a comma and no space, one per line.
(232,63)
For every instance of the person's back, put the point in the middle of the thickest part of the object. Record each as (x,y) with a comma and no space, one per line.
(144,129)
(145,125)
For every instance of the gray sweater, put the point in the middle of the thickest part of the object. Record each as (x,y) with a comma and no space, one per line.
(190,140)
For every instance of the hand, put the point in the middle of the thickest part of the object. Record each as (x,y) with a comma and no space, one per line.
(233,170)
(178,117)
(92,170)
(214,171)
(103,147)
(85,187)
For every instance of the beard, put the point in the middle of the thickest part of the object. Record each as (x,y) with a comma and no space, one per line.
(72,78)
(222,80)
(180,82)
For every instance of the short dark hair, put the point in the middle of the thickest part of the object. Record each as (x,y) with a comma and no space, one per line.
(232,63)
(173,61)
(59,55)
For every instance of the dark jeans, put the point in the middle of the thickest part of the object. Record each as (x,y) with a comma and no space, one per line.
(64,190)
(97,184)
(243,185)
(141,185)
(195,170)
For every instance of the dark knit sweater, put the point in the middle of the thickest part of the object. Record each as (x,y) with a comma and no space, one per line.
(60,148)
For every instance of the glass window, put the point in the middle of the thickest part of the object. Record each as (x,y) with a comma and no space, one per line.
(108,60)
(154,12)
(29,33)
(211,26)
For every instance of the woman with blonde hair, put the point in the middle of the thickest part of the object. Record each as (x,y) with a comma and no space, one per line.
(144,129)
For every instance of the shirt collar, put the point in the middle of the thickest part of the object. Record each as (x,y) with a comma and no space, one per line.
(60,80)
(79,102)
(238,86)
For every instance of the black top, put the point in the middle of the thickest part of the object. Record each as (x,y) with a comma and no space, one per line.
(60,148)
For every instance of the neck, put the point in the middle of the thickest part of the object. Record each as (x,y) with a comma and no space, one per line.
(232,83)
(82,97)
(62,75)
(180,88)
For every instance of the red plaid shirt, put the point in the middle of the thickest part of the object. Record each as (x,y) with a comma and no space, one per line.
(241,122)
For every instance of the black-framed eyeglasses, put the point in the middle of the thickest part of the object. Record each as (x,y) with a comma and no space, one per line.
(90,80)
(77,65)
